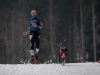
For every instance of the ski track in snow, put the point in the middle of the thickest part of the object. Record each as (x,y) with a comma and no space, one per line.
(51,69)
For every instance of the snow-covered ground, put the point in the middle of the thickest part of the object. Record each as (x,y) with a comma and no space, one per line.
(51,69)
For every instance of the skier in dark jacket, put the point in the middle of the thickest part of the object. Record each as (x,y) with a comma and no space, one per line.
(33,32)
(62,53)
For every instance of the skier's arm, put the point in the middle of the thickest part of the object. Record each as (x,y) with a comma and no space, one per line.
(40,24)
(28,30)
(40,27)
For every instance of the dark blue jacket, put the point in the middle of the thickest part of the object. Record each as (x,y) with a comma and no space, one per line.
(37,21)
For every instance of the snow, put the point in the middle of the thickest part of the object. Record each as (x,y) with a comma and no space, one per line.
(51,69)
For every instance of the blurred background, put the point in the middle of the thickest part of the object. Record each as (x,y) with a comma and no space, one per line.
(71,23)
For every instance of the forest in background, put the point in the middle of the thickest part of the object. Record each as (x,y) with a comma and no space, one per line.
(71,23)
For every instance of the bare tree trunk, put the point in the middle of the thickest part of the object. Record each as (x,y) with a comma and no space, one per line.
(6,40)
(94,40)
(82,34)
(12,36)
(70,40)
(74,34)
(51,30)
(4,36)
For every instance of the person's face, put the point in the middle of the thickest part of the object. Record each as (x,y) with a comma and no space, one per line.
(33,14)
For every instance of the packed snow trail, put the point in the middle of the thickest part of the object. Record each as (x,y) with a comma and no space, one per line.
(51,69)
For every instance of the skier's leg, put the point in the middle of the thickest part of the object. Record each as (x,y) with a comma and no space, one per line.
(32,50)
(37,41)
(37,47)
(32,46)
(30,36)
(37,44)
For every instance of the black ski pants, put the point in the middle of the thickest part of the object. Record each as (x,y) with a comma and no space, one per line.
(35,39)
